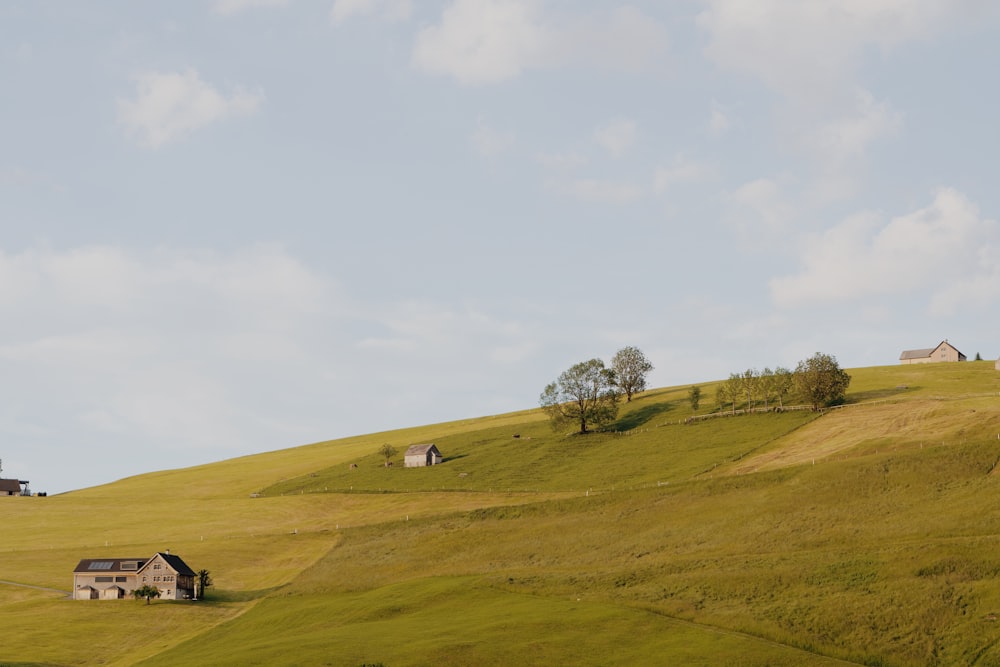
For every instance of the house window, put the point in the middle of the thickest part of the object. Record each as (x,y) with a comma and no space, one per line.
(157,566)
(103,580)
(129,565)
(121,578)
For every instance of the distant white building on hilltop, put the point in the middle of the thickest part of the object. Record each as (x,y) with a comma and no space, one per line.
(945,351)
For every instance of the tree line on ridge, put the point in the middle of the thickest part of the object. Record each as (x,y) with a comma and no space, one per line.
(587,394)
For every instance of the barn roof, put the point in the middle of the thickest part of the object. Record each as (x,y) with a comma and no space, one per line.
(917,354)
(177,563)
(99,565)
(419,450)
(10,485)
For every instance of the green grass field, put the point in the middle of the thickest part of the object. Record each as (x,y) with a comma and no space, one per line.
(865,535)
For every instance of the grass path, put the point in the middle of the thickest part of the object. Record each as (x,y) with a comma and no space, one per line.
(727,632)
(37,588)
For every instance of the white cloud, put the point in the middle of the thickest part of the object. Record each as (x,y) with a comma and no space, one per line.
(16,176)
(489,41)
(170,105)
(719,120)
(617,136)
(562,161)
(608,192)
(836,143)
(230,7)
(761,205)
(804,49)
(482,41)
(623,39)
(947,252)
(490,142)
(393,10)
(683,171)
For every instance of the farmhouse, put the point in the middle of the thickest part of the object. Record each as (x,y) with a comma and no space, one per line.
(116,578)
(418,456)
(945,351)
(12,487)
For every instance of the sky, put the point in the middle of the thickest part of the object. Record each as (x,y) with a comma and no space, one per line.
(235,226)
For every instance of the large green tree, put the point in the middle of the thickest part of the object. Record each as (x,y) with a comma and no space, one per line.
(750,384)
(631,367)
(730,391)
(694,397)
(782,384)
(585,395)
(821,380)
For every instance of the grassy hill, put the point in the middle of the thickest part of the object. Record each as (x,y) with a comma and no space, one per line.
(864,535)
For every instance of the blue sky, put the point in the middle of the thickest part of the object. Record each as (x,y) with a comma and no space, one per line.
(233,226)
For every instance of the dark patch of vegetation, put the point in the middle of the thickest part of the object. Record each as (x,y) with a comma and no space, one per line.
(643,415)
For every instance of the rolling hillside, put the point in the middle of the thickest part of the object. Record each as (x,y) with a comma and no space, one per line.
(864,535)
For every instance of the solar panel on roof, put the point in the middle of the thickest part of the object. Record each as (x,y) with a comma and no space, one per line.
(101,565)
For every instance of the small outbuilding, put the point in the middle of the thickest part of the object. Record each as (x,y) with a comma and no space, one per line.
(944,351)
(419,456)
(12,487)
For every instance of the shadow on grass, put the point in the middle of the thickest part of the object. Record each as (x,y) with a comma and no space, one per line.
(641,416)
(882,394)
(223,595)
(456,457)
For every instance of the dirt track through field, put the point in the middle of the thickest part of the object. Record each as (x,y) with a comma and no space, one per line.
(37,588)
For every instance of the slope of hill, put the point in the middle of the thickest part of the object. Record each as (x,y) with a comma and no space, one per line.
(866,535)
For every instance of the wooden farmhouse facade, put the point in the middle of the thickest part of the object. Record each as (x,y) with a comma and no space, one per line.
(116,578)
(945,351)
(418,456)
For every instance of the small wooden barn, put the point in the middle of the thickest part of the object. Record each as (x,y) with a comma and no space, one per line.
(419,456)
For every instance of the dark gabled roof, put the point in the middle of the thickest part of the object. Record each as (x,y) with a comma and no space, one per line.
(10,485)
(177,564)
(101,565)
(419,450)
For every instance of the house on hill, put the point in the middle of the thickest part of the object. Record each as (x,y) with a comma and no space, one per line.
(116,578)
(945,351)
(12,487)
(418,456)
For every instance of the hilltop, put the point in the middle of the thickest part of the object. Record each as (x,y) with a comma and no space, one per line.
(862,535)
